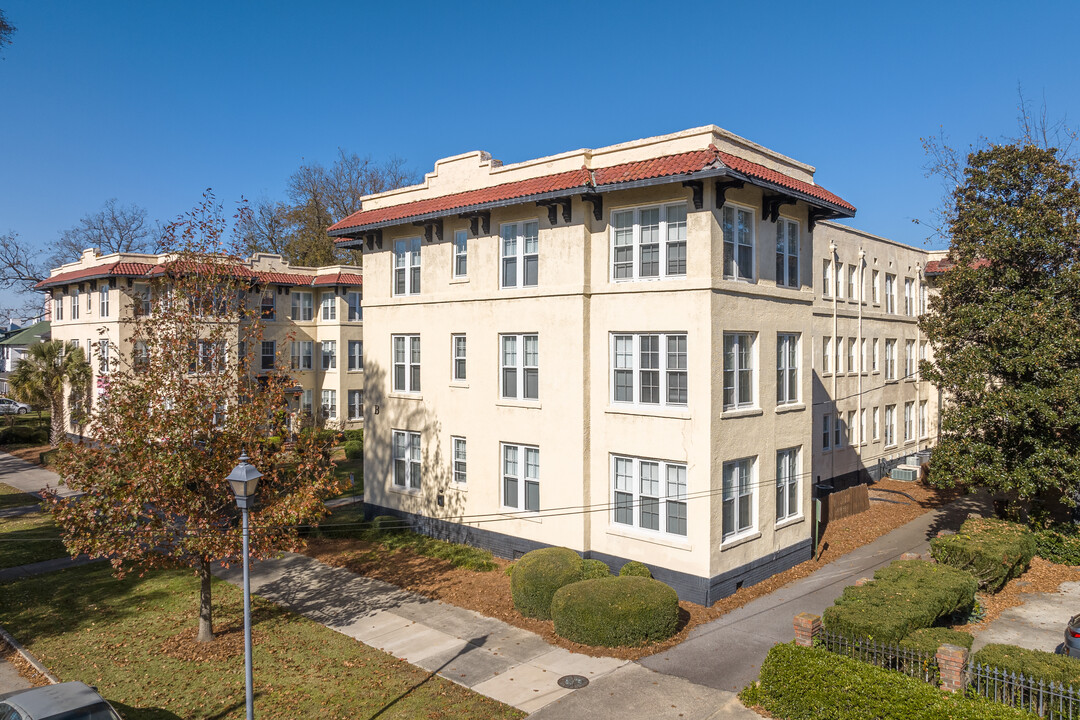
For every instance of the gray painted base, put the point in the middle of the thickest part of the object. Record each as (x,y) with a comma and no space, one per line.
(693,588)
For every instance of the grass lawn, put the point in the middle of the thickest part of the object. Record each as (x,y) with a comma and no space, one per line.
(28,539)
(133,639)
(12,497)
(356,467)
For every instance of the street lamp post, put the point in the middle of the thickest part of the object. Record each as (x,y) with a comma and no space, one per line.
(244,480)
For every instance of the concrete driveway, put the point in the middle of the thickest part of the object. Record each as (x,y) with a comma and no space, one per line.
(1038,624)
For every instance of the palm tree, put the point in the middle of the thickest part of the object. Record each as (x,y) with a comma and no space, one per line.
(41,375)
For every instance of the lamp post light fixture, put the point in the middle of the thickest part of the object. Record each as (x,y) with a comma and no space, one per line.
(244,480)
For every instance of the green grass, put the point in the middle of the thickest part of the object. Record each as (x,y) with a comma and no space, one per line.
(85,625)
(356,467)
(13,497)
(28,539)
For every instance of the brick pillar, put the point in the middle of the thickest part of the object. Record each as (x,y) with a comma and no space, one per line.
(952,662)
(807,627)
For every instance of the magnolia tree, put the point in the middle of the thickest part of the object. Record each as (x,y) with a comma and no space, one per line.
(184,398)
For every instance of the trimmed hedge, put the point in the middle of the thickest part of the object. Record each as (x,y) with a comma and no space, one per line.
(1034,664)
(928,640)
(801,683)
(902,597)
(1059,543)
(635,569)
(354,450)
(388,524)
(24,435)
(591,569)
(993,551)
(354,436)
(616,611)
(538,574)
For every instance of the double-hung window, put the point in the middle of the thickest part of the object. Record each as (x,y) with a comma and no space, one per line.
(520,246)
(521,477)
(738,224)
(862,355)
(924,426)
(269,351)
(787,252)
(852,274)
(461,254)
(458,358)
(787,484)
(519,359)
(876,418)
(356,404)
(862,426)
(75,304)
(356,308)
(738,502)
(875,287)
(328,352)
(649,494)
(890,425)
(839,287)
(103,356)
(103,301)
(890,293)
(460,460)
(909,296)
(58,307)
(874,356)
(406,449)
(300,355)
(738,370)
(851,355)
(305,401)
(407,266)
(406,363)
(826,431)
(267,304)
(639,235)
(826,278)
(922,298)
(649,369)
(909,420)
(852,438)
(787,368)
(826,354)
(329,306)
(329,403)
(910,360)
(890,359)
(302,306)
(838,430)
(356,354)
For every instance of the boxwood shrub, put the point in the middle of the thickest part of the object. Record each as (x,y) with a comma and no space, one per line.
(928,640)
(538,574)
(616,611)
(594,569)
(635,569)
(993,551)
(1034,664)
(354,450)
(24,435)
(801,683)
(902,597)
(354,436)
(1059,543)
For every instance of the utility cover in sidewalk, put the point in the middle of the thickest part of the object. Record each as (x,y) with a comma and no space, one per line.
(573,682)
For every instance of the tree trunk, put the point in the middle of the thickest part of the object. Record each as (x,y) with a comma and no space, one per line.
(56,409)
(206,626)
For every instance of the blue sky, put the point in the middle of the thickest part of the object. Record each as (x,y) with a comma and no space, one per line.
(151,102)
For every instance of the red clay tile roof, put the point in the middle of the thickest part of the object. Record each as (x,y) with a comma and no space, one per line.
(664,166)
(278,278)
(339,279)
(110,270)
(936,267)
(188,266)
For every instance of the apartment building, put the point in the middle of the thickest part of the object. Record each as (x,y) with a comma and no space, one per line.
(618,350)
(313,322)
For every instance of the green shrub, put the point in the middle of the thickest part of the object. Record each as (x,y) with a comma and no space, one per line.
(928,640)
(635,569)
(801,683)
(1059,544)
(538,574)
(902,597)
(24,435)
(48,457)
(354,450)
(354,436)
(591,569)
(388,524)
(615,611)
(1034,664)
(273,443)
(994,551)
(457,554)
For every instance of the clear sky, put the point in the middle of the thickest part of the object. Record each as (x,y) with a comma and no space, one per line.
(151,102)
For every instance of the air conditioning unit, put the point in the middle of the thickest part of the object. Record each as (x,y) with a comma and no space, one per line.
(907,474)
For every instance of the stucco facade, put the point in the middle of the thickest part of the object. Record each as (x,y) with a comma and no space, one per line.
(616,350)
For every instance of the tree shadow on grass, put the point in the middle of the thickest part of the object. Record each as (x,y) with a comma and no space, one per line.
(143,713)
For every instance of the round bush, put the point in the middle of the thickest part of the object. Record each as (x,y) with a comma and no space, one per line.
(538,574)
(616,611)
(354,450)
(387,523)
(635,569)
(594,569)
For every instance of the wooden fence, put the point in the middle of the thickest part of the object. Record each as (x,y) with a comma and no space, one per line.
(845,503)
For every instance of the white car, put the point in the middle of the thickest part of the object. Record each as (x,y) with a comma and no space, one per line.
(66,701)
(10,407)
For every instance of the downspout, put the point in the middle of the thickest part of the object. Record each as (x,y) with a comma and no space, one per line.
(837,283)
(862,355)
(917,302)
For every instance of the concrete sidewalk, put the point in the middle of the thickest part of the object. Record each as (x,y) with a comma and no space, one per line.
(26,476)
(727,653)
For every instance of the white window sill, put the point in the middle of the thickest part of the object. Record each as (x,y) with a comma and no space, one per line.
(405,491)
(734,542)
(643,411)
(458,280)
(744,281)
(398,395)
(354,372)
(887,447)
(459,384)
(788,522)
(527,404)
(671,541)
(790,407)
(743,412)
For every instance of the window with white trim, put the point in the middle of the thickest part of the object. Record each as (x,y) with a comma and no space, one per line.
(406,363)
(826,354)
(890,425)
(355,301)
(924,424)
(406,449)
(840,281)
(301,355)
(839,431)
(521,477)
(922,298)
(826,278)
(910,361)
(787,368)
(787,252)
(305,401)
(890,293)
(874,356)
(460,466)
(303,308)
(787,484)
(75,304)
(329,306)
(520,253)
(909,420)
(461,254)
(738,225)
(649,368)
(826,431)
(875,286)
(738,370)
(649,494)
(458,358)
(862,355)
(876,417)
(862,426)
(356,354)
(268,354)
(103,356)
(738,498)
(328,353)
(407,266)
(329,403)
(909,296)
(851,355)
(852,271)
(890,359)
(103,301)
(849,426)
(519,359)
(356,404)
(58,307)
(639,236)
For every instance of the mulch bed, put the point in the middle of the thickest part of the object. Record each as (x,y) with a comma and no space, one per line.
(488,593)
(1042,577)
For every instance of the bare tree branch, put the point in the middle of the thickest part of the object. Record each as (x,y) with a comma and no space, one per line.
(6,31)
(114,228)
(20,267)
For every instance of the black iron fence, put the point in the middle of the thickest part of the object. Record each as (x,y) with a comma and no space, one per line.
(919,665)
(1053,701)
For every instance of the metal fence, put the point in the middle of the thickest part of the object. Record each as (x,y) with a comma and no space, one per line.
(1053,701)
(919,665)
